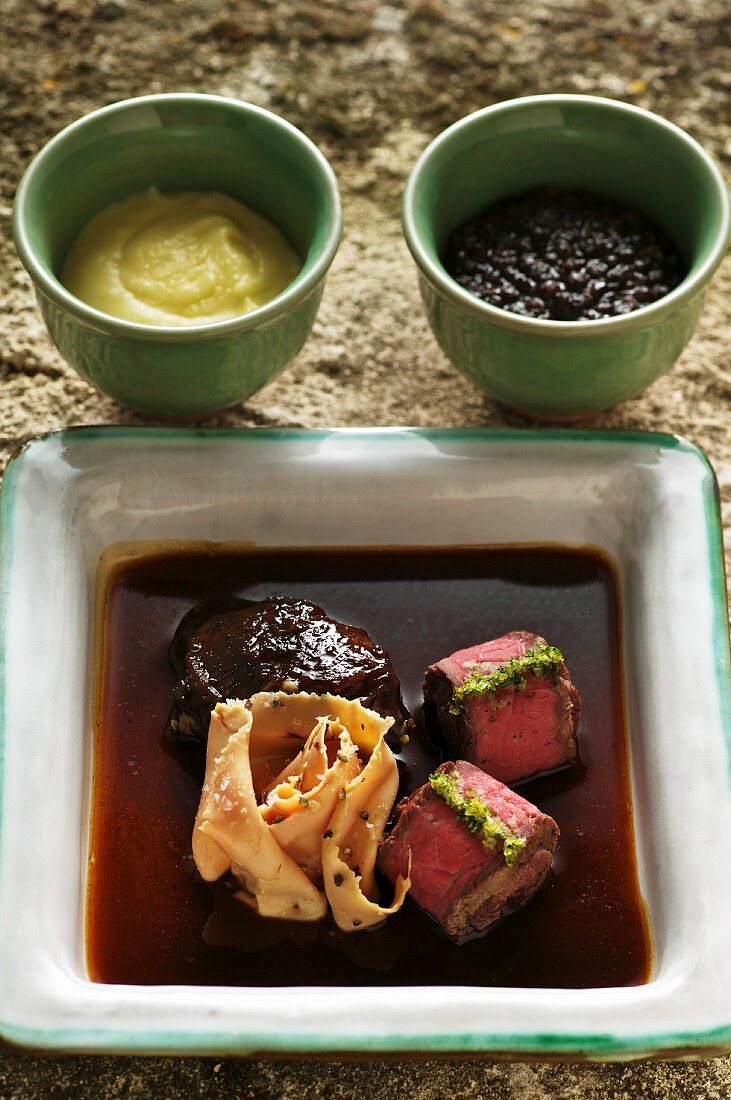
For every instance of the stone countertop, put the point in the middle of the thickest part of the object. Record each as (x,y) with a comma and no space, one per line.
(372,84)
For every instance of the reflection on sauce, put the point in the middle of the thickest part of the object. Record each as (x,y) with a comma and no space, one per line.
(147,909)
(186,258)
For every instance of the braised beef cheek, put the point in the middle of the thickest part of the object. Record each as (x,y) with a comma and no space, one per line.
(279,644)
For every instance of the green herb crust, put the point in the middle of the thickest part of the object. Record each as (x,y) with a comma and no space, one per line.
(477,816)
(542,661)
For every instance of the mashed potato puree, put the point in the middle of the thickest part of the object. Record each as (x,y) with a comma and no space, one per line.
(183,258)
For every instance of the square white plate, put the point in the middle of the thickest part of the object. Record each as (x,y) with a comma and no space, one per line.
(647,500)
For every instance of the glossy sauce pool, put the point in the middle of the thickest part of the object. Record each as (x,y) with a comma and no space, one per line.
(147,910)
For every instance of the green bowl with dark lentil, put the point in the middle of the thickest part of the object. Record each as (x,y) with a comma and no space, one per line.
(564,244)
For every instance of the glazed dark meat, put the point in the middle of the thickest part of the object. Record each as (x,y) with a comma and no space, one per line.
(278,644)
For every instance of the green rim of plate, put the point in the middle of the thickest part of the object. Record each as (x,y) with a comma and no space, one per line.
(593,1047)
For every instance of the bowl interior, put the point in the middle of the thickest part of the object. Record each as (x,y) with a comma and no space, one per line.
(579,144)
(178,144)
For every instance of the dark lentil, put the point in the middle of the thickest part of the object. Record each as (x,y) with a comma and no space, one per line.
(563,256)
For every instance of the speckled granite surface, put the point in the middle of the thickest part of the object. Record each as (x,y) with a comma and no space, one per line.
(371,83)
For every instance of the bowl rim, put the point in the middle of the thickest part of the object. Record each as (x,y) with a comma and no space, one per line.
(300,287)
(536,326)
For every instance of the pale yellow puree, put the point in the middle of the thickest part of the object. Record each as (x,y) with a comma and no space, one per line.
(184,258)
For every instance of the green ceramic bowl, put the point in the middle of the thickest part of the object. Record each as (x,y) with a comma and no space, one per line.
(560,369)
(176,143)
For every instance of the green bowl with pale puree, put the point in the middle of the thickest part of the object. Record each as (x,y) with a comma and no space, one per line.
(178,143)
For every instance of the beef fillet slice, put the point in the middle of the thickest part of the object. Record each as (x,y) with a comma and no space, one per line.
(278,644)
(474,850)
(508,706)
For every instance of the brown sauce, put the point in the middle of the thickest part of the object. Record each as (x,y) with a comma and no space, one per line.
(147,908)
